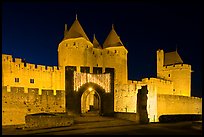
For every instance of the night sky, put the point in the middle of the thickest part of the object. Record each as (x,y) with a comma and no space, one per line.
(32,31)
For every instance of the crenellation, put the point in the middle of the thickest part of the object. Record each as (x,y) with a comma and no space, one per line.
(30,66)
(43,68)
(49,68)
(7,58)
(55,68)
(156,80)
(18,60)
(178,66)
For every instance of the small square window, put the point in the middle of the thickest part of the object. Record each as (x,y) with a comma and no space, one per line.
(16,79)
(31,80)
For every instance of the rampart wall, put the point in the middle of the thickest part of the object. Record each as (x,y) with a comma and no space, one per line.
(161,86)
(16,103)
(125,97)
(17,73)
(175,104)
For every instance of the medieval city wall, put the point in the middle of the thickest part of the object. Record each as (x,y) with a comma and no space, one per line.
(16,103)
(30,75)
(125,97)
(175,104)
(179,73)
(161,86)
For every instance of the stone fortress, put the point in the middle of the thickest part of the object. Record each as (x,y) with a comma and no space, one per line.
(94,77)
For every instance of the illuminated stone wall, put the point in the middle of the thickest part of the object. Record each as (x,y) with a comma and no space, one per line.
(176,73)
(161,99)
(45,77)
(175,104)
(125,97)
(161,86)
(80,52)
(16,103)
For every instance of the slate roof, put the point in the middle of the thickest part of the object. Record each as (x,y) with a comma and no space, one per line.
(76,31)
(96,43)
(112,40)
(171,58)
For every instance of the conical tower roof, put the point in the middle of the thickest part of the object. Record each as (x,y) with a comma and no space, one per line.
(76,31)
(112,40)
(96,43)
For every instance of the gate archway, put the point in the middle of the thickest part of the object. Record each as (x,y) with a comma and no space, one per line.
(76,100)
(87,92)
(90,102)
(77,84)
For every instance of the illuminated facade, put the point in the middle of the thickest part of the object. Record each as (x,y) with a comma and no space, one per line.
(93,77)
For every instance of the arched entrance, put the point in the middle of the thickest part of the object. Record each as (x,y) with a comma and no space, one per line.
(90,102)
(76,94)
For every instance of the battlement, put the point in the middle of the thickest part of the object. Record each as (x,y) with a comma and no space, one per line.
(79,43)
(156,80)
(179,97)
(6,57)
(177,66)
(134,82)
(74,42)
(19,62)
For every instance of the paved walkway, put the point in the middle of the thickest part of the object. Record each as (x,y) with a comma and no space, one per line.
(111,126)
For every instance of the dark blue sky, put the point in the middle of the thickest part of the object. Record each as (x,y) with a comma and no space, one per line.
(33,31)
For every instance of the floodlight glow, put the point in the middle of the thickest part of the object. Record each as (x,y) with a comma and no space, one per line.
(90,89)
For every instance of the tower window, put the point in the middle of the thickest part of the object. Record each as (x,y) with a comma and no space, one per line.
(115,51)
(16,79)
(31,80)
(169,75)
(74,44)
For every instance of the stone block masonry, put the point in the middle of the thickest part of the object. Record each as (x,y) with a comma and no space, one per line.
(47,120)
(17,104)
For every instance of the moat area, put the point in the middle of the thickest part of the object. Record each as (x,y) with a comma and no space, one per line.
(97,125)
